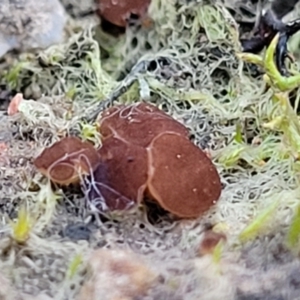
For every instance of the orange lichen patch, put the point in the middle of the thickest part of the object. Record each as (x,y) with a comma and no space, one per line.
(13,107)
(66,160)
(138,123)
(147,22)
(3,148)
(210,240)
(119,181)
(4,158)
(182,178)
(118,12)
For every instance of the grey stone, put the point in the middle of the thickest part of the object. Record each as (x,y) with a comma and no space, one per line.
(30,24)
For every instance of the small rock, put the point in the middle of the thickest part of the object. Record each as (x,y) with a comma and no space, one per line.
(117,275)
(76,232)
(29,24)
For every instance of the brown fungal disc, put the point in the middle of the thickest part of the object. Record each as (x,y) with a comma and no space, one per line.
(118,12)
(182,179)
(210,240)
(119,181)
(138,123)
(66,160)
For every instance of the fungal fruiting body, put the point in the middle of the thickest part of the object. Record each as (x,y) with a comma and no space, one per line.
(66,160)
(210,241)
(138,124)
(118,12)
(145,150)
(119,180)
(181,178)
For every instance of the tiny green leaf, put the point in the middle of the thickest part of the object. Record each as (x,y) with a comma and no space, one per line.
(293,235)
(74,265)
(256,226)
(238,137)
(217,252)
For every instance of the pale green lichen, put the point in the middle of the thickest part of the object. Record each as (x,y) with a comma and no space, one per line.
(74,66)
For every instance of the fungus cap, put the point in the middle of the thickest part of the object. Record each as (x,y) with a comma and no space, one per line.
(138,123)
(182,179)
(119,181)
(66,160)
(118,12)
(209,241)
